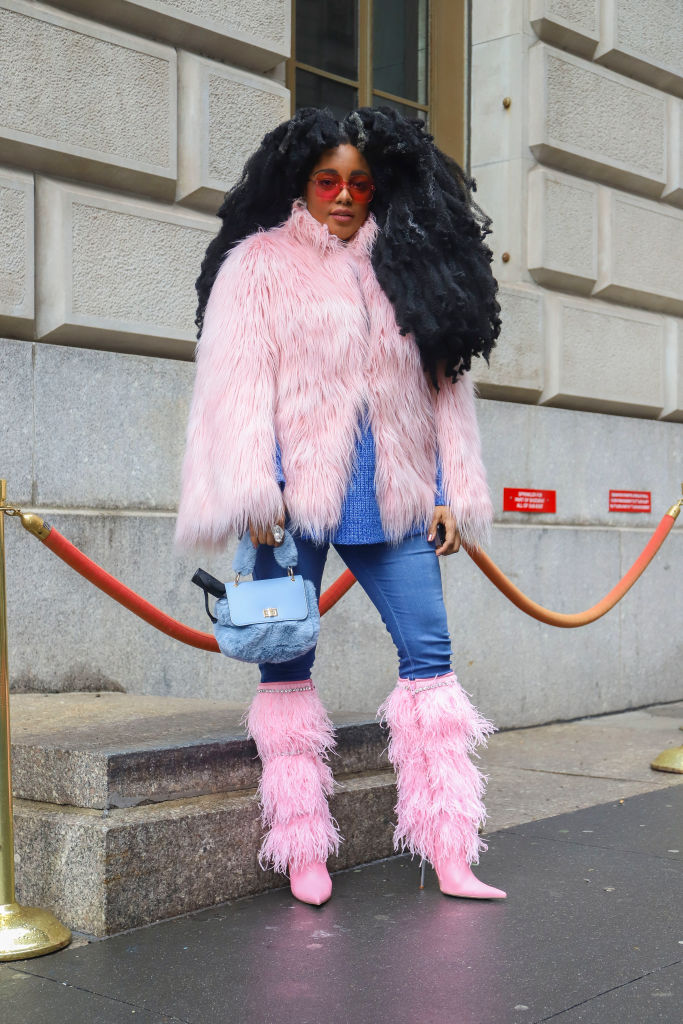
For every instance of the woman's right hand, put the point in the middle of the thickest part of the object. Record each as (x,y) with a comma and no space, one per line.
(265,535)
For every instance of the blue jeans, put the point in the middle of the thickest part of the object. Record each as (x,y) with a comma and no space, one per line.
(404,584)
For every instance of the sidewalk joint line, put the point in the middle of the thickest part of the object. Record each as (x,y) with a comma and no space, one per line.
(614,988)
(101,995)
(575,842)
(577,775)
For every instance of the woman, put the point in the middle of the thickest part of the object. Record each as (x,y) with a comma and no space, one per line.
(340,306)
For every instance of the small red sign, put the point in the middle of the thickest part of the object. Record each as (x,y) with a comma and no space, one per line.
(630,501)
(524,499)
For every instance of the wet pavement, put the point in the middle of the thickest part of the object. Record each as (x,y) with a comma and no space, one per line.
(590,932)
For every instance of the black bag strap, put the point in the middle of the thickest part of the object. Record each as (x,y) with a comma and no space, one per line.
(210,585)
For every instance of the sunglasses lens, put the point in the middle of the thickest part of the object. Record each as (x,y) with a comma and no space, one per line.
(361,189)
(328,185)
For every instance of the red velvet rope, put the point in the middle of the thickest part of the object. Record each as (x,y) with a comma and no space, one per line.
(104,581)
(573,619)
(107,583)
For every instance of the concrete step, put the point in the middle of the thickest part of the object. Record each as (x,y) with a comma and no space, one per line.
(102,872)
(115,750)
(131,809)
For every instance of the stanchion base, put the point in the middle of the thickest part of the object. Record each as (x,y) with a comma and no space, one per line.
(29,931)
(670,760)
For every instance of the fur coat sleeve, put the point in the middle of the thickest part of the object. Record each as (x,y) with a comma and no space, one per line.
(464,485)
(228,474)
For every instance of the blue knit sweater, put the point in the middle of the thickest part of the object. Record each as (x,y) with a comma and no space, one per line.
(360,521)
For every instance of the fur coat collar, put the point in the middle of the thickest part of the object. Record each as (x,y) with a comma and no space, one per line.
(298,340)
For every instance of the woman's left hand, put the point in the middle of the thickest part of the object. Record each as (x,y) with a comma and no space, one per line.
(442,514)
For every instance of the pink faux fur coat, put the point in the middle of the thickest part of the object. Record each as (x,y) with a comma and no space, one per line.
(297,336)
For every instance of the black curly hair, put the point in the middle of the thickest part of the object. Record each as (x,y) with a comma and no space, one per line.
(429,256)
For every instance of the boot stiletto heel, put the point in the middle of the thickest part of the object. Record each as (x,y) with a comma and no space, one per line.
(433,731)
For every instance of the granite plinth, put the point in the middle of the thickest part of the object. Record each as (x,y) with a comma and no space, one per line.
(103,872)
(115,750)
(133,809)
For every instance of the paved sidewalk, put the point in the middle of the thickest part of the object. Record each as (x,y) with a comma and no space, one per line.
(551,769)
(590,931)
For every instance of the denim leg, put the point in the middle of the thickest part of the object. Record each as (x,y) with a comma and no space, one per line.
(310,565)
(404,584)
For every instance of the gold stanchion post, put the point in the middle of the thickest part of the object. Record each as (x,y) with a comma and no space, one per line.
(24,931)
(671,760)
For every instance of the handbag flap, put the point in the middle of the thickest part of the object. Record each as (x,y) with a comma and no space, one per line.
(271,600)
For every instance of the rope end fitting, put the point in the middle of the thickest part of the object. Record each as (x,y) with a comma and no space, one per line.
(29,520)
(675,509)
(35,525)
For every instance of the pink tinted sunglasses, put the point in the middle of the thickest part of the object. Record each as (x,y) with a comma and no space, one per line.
(328,185)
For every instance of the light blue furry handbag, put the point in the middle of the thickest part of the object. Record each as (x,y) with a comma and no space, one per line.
(267,620)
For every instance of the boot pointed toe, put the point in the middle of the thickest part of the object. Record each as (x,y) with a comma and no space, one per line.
(311,883)
(457,879)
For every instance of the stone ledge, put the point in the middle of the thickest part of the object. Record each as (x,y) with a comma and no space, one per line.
(116,750)
(572,29)
(602,242)
(638,243)
(106,872)
(648,48)
(562,230)
(17,258)
(116,297)
(223,113)
(673,370)
(603,356)
(591,121)
(516,369)
(60,71)
(673,193)
(253,33)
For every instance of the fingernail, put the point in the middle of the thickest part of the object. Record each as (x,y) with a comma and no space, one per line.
(429,536)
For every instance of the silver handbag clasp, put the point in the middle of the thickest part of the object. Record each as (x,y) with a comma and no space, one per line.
(290,572)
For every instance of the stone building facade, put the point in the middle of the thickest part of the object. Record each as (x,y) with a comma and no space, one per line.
(121,126)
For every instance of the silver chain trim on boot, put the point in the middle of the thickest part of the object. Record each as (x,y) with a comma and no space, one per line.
(291,689)
(407,684)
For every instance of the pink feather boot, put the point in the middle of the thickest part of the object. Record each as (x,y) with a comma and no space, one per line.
(293,736)
(433,730)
